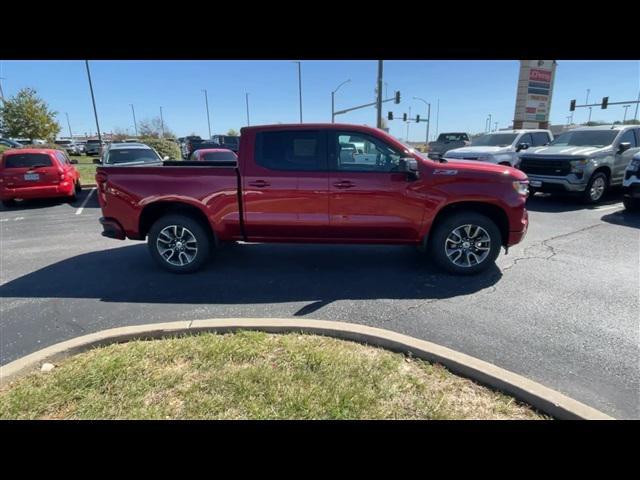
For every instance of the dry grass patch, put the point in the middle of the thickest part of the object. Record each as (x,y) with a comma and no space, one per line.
(251,375)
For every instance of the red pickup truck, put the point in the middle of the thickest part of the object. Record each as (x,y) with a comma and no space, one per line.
(317,183)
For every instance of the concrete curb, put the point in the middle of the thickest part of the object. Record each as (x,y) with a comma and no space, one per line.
(544,399)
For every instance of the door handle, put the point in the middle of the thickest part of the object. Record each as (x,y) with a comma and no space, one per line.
(343,184)
(259,183)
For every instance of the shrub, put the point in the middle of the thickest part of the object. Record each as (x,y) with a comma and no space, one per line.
(164,147)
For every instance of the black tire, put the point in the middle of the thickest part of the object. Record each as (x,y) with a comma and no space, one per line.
(78,187)
(588,197)
(8,203)
(444,228)
(631,204)
(197,231)
(532,192)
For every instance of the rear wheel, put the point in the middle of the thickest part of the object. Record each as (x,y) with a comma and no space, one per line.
(596,188)
(78,187)
(179,243)
(465,243)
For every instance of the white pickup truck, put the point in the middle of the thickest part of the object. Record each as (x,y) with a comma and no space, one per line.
(503,147)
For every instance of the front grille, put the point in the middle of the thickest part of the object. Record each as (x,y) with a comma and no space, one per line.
(545,166)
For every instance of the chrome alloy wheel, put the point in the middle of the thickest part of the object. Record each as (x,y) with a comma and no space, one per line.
(177,245)
(467,245)
(597,189)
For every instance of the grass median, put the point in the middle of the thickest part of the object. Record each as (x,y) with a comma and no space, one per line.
(251,375)
(87,169)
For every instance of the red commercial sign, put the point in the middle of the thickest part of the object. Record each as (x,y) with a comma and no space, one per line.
(540,75)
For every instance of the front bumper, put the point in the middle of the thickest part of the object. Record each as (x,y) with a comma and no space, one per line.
(111,228)
(632,191)
(543,183)
(518,235)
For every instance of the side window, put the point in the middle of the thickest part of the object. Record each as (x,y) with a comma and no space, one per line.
(540,138)
(357,152)
(303,150)
(526,138)
(628,136)
(61,158)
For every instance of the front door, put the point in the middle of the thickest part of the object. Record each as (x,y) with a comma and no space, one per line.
(622,159)
(285,186)
(370,199)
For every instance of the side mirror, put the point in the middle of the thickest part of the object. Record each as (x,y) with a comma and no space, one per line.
(97,161)
(409,165)
(522,146)
(624,146)
(74,161)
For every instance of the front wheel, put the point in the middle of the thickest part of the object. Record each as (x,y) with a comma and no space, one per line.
(179,243)
(596,188)
(465,243)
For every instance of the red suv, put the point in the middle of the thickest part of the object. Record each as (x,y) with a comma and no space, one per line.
(31,173)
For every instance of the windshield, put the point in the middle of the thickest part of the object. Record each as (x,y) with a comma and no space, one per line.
(130,156)
(93,141)
(586,138)
(495,140)
(63,142)
(452,137)
(230,140)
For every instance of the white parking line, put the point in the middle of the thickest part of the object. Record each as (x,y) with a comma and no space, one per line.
(618,205)
(79,211)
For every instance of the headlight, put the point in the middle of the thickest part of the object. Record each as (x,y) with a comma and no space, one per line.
(634,166)
(577,166)
(521,187)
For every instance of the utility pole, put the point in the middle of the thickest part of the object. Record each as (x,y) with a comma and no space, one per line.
(333,116)
(300,86)
(1,91)
(69,125)
(437,117)
(93,99)
(161,122)
(246,98)
(428,114)
(135,124)
(206,102)
(379,99)
(489,123)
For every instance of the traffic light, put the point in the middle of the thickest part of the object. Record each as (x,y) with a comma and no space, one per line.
(404,117)
(605,102)
(572,107)
(390,115)
(417,118)
(397,97)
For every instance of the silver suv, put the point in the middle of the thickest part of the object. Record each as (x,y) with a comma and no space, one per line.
(586,160)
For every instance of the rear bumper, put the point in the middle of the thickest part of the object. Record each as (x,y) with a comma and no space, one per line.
(112,229)
(64,189)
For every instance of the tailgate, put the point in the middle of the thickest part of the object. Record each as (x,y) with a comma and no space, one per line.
(29,170)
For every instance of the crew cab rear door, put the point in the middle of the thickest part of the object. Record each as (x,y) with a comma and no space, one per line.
(370,199)
(285,186)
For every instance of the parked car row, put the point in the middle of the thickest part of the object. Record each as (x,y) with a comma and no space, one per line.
(189,145)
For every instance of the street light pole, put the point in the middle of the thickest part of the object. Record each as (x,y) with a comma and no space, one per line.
(428,114)
(333,116)
(379,99)
(161,122)
(495,126)
(69,125)
(206,102)
(437,117)
(246,98)
(625,113)
(93,99)
(1,91)
(300,85)
(588,121)
(135,125)
(408,123)
(489,123)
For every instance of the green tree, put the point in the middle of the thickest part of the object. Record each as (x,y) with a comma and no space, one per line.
(232,133)
(154,128)
(26,115)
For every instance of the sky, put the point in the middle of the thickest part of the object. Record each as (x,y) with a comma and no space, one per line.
(468,91)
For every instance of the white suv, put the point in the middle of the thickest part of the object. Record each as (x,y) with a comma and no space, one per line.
(501,147)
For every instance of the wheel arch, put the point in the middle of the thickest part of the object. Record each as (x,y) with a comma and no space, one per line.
(156,210)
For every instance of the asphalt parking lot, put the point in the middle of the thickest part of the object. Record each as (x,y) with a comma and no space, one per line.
(561,308)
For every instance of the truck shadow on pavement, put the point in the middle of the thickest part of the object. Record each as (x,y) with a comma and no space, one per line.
(251,274)
(54,202)
(623,218)
(568,203)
